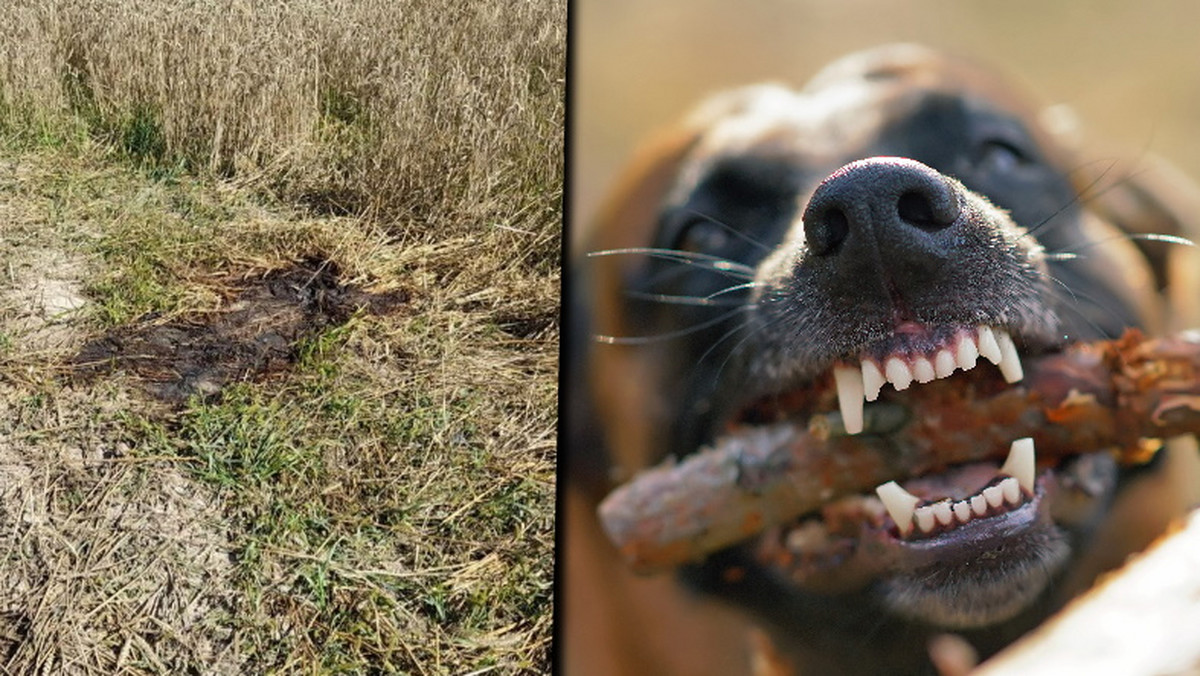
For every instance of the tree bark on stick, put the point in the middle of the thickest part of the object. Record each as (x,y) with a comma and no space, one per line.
(1127,394)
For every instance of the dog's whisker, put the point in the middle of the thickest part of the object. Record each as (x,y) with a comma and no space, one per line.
(736,347)
(1077,302)
(1161,237)
(674,273)
(1086,196)
(740,287)
(1080,197)
(711,300)
(731,230)
(671,335)
(1060,257)
(1074,254)
(742,325)
(703,301)
(700,260)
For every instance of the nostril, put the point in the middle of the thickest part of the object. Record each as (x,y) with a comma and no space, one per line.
(827,231)
(920,210)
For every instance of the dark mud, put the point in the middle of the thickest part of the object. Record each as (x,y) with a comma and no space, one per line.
(258,333)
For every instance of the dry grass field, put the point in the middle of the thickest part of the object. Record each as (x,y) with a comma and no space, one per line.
(278,335)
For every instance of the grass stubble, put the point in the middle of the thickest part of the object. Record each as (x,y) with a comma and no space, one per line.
(385,503)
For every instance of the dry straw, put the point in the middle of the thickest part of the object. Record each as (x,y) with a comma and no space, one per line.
(442,114)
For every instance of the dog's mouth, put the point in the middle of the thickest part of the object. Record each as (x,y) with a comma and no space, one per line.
(962,546)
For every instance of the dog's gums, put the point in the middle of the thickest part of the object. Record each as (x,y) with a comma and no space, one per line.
(932,359)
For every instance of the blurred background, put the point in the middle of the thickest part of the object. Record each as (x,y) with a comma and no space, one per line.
(1130,71)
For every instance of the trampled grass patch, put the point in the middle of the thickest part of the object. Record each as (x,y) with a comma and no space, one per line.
(278,336)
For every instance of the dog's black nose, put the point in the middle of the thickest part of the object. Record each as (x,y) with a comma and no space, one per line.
(890,209)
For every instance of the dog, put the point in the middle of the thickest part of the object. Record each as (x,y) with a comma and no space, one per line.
(906,207)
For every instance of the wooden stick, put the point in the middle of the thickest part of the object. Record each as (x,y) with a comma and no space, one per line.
(1126,394)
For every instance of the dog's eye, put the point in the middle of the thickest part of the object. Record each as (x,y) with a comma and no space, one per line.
(1001,155)
(702,235)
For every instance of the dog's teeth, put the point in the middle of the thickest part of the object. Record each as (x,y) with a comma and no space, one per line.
(988,347)
(925,519)
(944,364)
(943,513)
(962,511)
(850,397)
(902,505)
(994,496)
(1021,463)
(922,370)
(898,373)
(872,379)
(899,503)
(1010,362)
(967,353)
(979,505)
(1011,489)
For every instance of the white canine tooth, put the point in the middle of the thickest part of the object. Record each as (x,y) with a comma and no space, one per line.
(1012,490)
(898,373)
(979,505)
(872,380)
(994,496)
(1021,463)
(944,364)
(988,347)
(942,512)
(966,353)
(850,397)
(1010,362)
(899,504)
(962,511)
(925,518)
(922,370)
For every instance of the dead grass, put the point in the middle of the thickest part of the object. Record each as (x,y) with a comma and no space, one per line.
(383,502)
(426,114)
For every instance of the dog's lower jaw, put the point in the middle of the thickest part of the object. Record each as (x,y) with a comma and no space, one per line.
(989,581)
(983,573)
(984,591)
